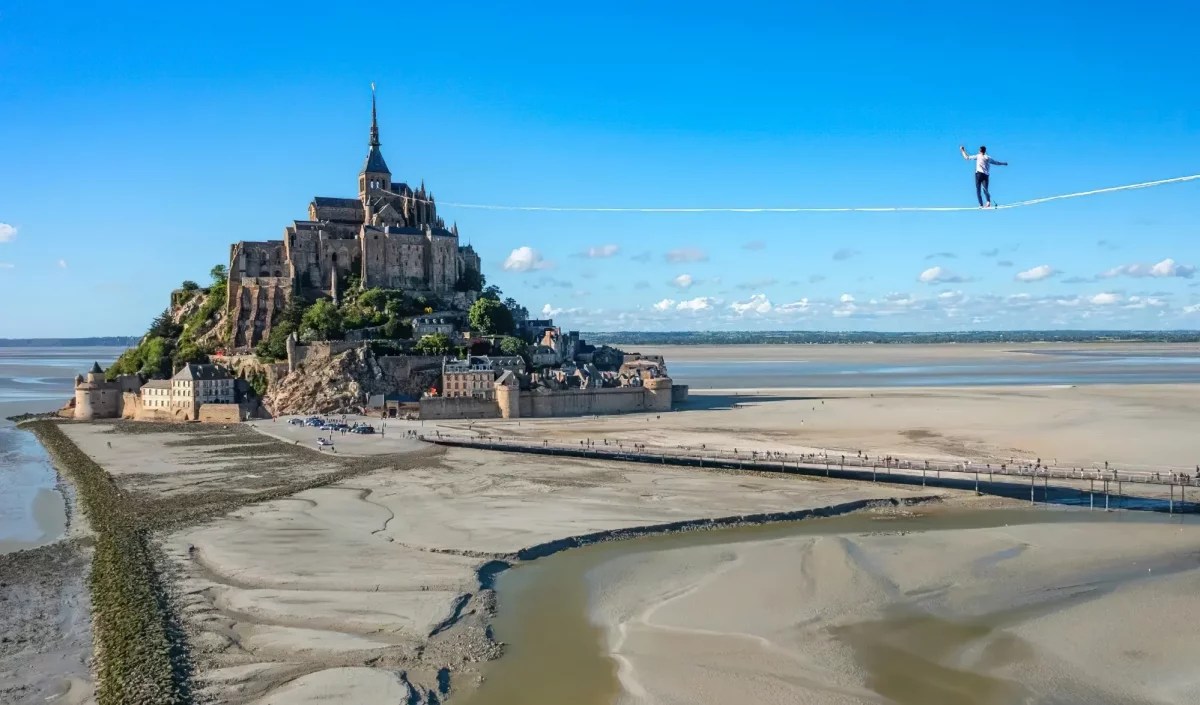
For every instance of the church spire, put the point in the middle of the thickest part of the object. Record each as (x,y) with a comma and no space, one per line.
(375,175)
(374,123)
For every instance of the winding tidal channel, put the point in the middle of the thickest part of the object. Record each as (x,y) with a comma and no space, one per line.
(976,607)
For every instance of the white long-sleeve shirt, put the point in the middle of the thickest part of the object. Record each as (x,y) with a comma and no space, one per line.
(983,163)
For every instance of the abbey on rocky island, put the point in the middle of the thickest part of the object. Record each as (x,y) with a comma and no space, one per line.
(389,236)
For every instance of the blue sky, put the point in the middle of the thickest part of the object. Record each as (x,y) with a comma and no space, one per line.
(138,140)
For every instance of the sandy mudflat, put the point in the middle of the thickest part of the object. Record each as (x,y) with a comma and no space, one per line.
(377,584)
(374,589)
(45,627)
(1135,426)
(368,572)
(45,620)
(1096,613)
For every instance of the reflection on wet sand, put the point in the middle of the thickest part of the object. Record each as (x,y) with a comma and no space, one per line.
(983,608)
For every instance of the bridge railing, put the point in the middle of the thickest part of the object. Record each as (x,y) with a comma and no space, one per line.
(777,460)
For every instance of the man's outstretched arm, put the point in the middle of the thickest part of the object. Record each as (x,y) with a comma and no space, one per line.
(964,151)
(999,163)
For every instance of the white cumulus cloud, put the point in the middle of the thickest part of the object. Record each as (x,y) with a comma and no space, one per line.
(526,259)
(758,303)
(1165,268)
(7,232)
(1036,274)
(940,275)
(1105,299)
(664,305)
(846,299)
(62,263)
(700,303)
(683,281)
(1138,303)
(801,306)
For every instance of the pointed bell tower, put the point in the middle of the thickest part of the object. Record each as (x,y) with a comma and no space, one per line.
(375,174)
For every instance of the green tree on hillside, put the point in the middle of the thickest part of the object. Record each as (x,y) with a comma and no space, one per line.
(519,312)
(434,344)
(322,321)
(490,317)
(397,329)
(219,274)
(287,321)
(156,358)
(164,326)
(185,353)
(514,347)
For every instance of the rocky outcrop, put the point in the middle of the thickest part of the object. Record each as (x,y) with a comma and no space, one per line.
(205,315)
(342,382)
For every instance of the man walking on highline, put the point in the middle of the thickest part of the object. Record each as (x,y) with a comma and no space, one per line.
(983,162)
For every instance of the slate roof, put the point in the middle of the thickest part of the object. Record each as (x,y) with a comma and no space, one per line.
(96,367)
(374,163)
(158,384)
(325,201)
(193,371)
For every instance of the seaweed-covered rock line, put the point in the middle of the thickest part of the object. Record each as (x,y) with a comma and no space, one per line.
(136,661)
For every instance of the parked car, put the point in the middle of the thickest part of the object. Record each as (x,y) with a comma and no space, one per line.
(363,429)
(322,442)
(296,422)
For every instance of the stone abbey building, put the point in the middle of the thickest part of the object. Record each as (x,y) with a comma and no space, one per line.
(390,236)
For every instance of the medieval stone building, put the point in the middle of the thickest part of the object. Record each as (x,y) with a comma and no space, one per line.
(389,236)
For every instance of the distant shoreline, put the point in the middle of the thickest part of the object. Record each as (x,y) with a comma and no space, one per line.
(99,342)
(806,338)
(809,338)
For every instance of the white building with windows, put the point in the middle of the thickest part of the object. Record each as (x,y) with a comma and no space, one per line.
(190,388)
(156,394)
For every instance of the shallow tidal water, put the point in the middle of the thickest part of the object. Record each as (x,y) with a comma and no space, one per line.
(555,655)
(32,510)
(35,380)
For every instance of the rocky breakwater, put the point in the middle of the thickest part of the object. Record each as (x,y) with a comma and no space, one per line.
(332,380)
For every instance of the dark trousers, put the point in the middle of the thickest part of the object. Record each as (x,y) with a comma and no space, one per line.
(981,183)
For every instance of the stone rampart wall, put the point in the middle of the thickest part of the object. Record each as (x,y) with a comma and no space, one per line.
(459,408)
(584,402)
(221,413)
(573,402)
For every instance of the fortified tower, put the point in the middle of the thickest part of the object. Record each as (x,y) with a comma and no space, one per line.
(658,394)
(96,398)
(508,395)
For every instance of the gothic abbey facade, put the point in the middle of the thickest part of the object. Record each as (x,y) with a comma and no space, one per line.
(389,236)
